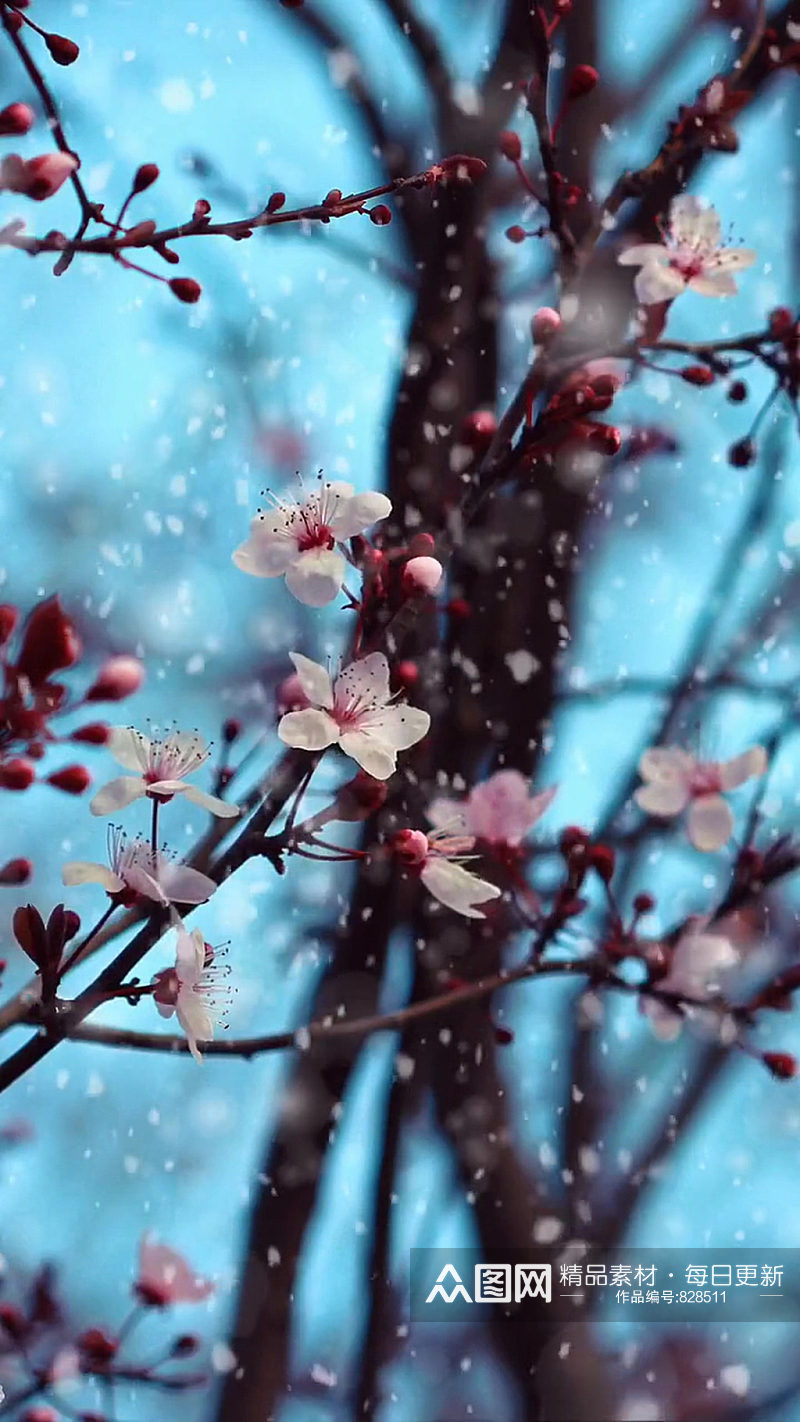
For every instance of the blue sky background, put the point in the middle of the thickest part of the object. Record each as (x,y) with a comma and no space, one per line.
(129,466)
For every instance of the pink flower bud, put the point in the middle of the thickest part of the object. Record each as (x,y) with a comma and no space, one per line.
(73,779)
(422,545)
(144,177)
(406,674)
(16,774)
(16,871)
(291,696)
(62,50)
(118,677)
(186,289)
(581,81)
(410,846)
(422,575)
(510,145)
(545,324)
(36,178)
(16,119)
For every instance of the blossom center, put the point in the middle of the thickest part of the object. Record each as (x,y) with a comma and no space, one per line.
(314,536)
(705,780)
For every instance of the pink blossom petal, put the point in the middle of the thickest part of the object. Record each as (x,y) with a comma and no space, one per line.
(373,755)
(358,513)
(665,798)
(694,223)
(644,254)
(713,283)
(656,283)
(183,885)
(267,553)
(223,809)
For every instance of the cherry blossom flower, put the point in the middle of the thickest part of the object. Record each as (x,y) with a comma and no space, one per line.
(165,1277)
(302,541)
(676,779)
(356,713)
(194,989)
(436,859)
(698,961)
(38,178)
(135,870)
(690,256)
(160,767)
(501,810)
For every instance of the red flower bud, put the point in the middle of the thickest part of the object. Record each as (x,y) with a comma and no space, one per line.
(186,289)
(606,439)
(406,674)
(503,1036)
(98,1345)
(16,774)
(781,322)
(73,779)
(96,733)
(62,50)
(332,198)
(187,1344)
(13,1321)
(737,392)
(231,730)
(478,430)
(144,177)
(698,375)
(781,1064)
(380,215)
(422,545)
(460,166)
(30,933)
(510,145)
(581,81)
(8,621)
(459,608)
(276,202)
(39,1414)
(118,677)
(516,233)
(16,871)
(603,860)
(49,643)
(16,119)
(643,903)
(360,798)
(742,453)
(572,838)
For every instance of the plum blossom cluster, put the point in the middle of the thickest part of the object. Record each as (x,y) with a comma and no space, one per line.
(58,1369)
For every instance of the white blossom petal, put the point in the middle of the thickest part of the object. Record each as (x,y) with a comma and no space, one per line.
(665,798)
(713,283)
(129,748)
(315,577)
(734,259)
(365,680)
(456,888)
(710,822)
(117,794)
(314,680)
(666,763)
(310,730)
(743,767)
(80,872)
(694,222)
(183,885)
(358,513)
(655,283)
(265,554)
(644,254)
(444,813)
(399,726)
(373,755)
(223,809)
(196,1021)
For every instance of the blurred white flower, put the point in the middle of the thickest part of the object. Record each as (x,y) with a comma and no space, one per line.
(500,810)
(165,1277)
(436,858)
(677,779)
(194,989)
(698,962)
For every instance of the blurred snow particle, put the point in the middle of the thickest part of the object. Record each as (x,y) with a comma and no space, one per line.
(736,1378)
(176,96)
(522,665)
(547,1229)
